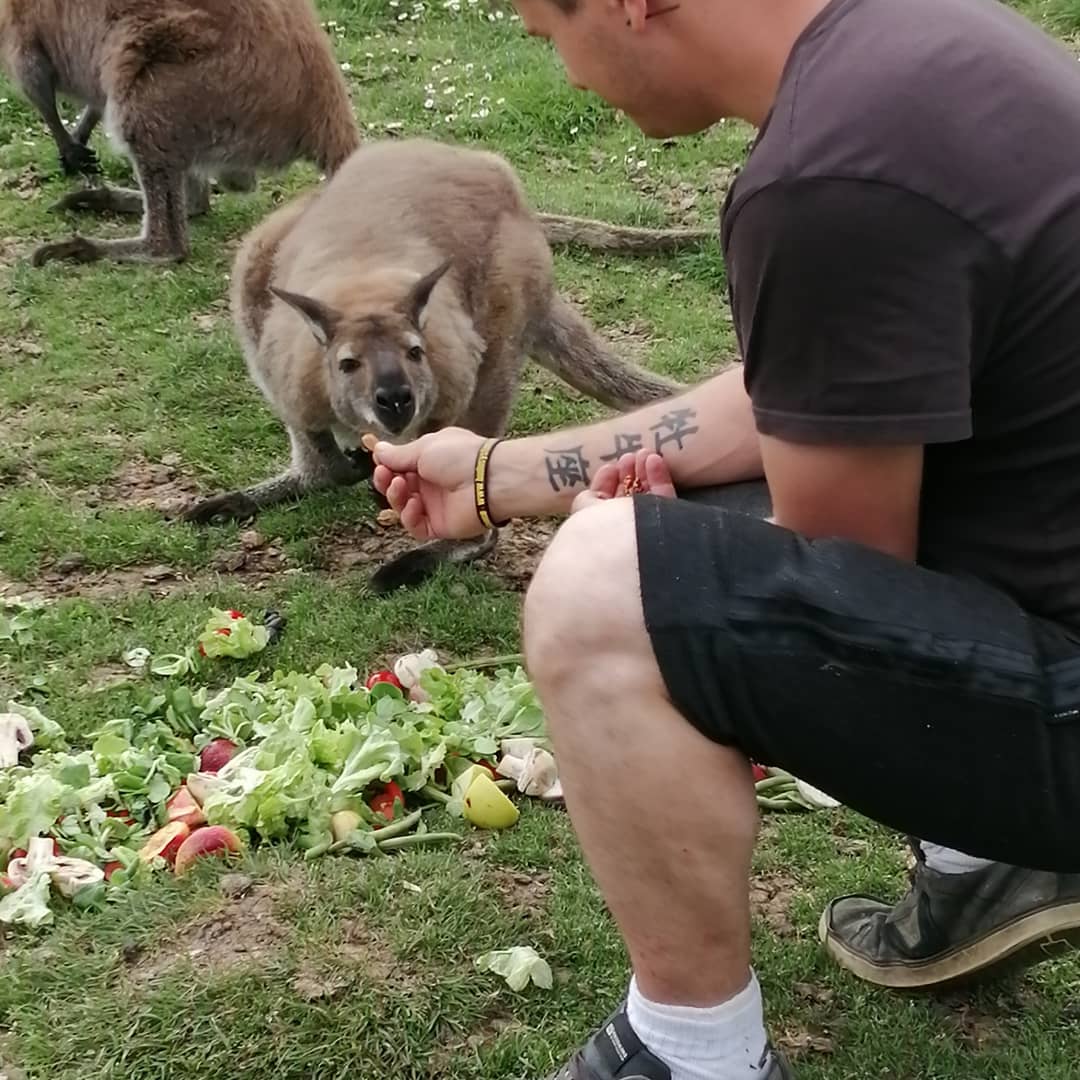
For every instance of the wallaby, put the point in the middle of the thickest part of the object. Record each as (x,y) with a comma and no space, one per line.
(403,296)
(196,88)
(187,89)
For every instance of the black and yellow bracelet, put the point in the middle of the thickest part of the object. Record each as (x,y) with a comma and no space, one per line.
(483,455)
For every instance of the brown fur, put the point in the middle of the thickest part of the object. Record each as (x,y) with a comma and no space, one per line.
(187,88)
(416,246)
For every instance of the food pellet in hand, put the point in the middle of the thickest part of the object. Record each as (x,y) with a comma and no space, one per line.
(368,441)
(388,517)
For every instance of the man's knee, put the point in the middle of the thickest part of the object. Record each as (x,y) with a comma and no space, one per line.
(584,596)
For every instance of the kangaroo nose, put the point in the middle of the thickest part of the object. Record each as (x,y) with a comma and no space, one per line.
(394,404)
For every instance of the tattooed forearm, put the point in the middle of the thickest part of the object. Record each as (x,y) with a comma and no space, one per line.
(567,468)
(624,444)
(674,427)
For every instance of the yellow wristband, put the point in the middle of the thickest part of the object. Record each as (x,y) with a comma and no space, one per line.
(480,484)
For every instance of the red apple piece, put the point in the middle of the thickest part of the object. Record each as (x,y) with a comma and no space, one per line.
(211,840)
(166,842)
(183,807)
(110,868)
(216,754)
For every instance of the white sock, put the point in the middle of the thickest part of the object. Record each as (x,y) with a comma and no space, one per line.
(721,1042)
(949,861)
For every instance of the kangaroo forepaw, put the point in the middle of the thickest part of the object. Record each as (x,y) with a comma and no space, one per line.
(78,159)
(77,249)
(231,506)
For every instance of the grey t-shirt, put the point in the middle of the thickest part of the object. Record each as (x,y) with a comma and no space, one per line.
(903,249)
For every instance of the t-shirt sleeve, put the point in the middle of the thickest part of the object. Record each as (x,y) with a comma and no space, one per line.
(861,310)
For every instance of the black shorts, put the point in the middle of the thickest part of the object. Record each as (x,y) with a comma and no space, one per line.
(930,703)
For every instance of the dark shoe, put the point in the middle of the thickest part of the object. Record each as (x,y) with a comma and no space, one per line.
(614,1052)
(951,928)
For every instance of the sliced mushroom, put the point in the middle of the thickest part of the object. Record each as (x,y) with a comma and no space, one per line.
(15,737)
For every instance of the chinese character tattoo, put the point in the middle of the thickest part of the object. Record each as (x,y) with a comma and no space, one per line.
(567,468)
(624,444)
(674,427)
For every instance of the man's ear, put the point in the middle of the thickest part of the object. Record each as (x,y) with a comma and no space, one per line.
(415,303)
(322,320)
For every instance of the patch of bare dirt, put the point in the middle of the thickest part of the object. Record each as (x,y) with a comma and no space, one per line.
(255,560)
(979,1020)
(148,485)
(771,897)
(8,1071)
(801,1042)
(367,546)
(25,184)
(106,676)
(244,933)
(66,577)
(814,995)
(367,950)
(526,895)
(452,1043)
(313,984)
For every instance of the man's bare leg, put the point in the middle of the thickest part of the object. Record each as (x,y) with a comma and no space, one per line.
(676,883)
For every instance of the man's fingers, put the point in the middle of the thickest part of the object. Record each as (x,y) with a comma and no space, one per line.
(658,477)
(413,519)
(381,478)
(397,493)
(399,459)
(606,480)
(640,458)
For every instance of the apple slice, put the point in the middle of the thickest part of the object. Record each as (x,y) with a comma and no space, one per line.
(211,840)
(183,807)
(166,842)
(216,754)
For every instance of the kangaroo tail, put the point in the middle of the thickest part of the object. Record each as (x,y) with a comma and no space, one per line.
(568,346)
(413,567)
(603,236)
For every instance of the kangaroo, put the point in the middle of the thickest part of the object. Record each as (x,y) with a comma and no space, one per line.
(404,296)
(187,89)
(196,88)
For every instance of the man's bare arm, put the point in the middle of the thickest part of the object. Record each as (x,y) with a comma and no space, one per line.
(866,494)
(706,436)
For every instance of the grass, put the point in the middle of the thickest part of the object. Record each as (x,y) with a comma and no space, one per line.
(120,387)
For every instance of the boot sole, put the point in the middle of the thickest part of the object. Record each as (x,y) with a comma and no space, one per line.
(1028,940)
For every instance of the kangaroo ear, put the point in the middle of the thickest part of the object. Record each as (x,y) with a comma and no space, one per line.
(416,302)
(323,320)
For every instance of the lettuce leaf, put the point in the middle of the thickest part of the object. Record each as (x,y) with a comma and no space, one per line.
(29,904)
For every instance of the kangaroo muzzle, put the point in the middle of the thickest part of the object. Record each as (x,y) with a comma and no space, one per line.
(395,405)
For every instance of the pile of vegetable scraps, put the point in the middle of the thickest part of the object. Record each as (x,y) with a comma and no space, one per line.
(323,762)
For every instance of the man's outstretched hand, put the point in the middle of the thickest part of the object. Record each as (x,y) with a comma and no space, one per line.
(429,482)
(645,471)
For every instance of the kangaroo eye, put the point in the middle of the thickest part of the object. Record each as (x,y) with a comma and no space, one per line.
(416,353)
(348,364)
